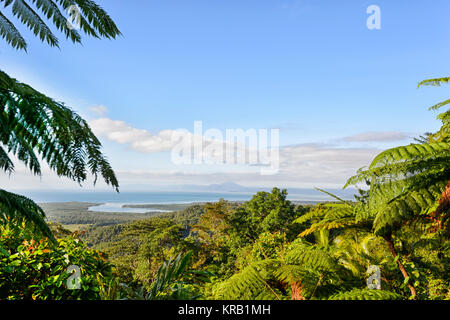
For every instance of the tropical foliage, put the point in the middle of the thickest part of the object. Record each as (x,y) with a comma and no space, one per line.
(37,269)
(266,248)
(34,127)
(65,15)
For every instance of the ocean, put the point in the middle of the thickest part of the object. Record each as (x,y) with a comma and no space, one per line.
(155,197)
(111,201)
(133,197)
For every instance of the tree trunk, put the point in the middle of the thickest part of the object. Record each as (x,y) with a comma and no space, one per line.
(390,244)
(444,206)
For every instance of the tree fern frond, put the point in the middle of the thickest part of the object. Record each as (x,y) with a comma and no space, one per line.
(5,162)
(366,294)
(361,176)
(34,22)
(32,122)
(330,194)
(249,284)
(94,21)
(405,207)
(330,225)
(294,274)
(14,208)
(10,33)
(439,105)
(433,82)
(411,152)
(311,256)
(316,212)
(52,11)
(322,210)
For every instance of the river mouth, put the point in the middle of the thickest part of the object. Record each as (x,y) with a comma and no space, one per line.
(120,207)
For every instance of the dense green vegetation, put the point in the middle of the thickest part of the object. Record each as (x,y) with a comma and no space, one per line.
(32,269)
(266,248)
(253,251)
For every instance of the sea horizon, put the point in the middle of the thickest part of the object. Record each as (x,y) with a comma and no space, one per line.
(155,197)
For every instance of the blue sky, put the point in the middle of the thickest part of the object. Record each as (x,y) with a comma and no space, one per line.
(338,92)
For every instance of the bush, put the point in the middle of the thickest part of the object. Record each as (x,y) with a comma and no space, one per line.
(37,269)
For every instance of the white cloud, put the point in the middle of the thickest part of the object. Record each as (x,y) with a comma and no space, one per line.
(99,110)
(302,166)
(305,165)
(143,141)
(138,139)
(323,164)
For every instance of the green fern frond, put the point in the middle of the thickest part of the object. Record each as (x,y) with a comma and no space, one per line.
(53,12)
(10,33)
(406,207)
(293,274)
(330,194)
(411,152)
(310,256)
(33,127)
(94,21)
(330,225)
(14,208)
(439,105)
(33,124)
(5,162)
(33,21)
(250,283)
(316,212)
(366,294)
(433,82)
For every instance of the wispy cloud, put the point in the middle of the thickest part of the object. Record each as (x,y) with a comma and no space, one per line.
(143,141)
(138,139)
(302,166)
(377,136)
(99,110)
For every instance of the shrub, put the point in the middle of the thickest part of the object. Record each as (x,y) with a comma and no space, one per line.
(37,269)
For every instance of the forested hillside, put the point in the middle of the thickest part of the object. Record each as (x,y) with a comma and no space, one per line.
(391,242)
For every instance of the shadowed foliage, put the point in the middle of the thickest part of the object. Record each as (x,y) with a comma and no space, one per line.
(34,127)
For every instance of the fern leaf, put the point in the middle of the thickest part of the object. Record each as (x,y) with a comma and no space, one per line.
(366,294)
